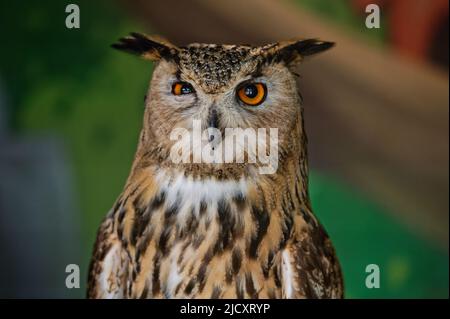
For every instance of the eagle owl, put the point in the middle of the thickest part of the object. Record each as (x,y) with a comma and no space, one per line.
(221,229)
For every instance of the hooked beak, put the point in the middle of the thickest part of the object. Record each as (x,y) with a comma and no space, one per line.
(213,122)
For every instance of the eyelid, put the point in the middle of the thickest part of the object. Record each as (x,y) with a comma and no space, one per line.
(250,80)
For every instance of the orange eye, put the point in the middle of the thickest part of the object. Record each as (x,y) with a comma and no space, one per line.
(180,88)
(252,94)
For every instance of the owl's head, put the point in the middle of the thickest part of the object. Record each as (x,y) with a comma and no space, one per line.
(222,86)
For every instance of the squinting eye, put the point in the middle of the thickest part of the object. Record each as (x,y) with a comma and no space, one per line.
(252,94)
(180,88)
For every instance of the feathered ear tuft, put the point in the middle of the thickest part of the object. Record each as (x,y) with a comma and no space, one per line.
(292,52)
(310,46)
(148,47)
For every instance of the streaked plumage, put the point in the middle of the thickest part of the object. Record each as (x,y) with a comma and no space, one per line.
(216,230)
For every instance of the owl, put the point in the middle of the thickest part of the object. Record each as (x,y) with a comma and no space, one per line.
(217,229)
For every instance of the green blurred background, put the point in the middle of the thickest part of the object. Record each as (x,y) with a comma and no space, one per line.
(70,114)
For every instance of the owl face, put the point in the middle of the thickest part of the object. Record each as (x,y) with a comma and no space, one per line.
(250,94)
(221,86)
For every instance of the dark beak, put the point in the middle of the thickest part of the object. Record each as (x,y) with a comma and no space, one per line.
(213,122)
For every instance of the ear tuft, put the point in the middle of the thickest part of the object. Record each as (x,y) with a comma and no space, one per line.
(293,52)
(150,48)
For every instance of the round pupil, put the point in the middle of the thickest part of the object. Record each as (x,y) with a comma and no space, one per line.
(251,91)
(185,89)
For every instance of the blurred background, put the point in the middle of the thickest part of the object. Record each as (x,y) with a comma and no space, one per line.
(377,110)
